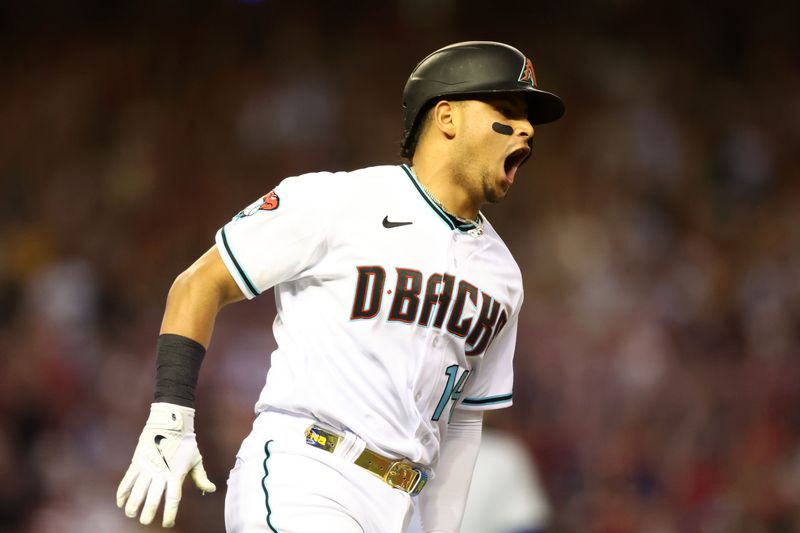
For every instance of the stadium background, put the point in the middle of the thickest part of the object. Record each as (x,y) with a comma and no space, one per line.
(657,227)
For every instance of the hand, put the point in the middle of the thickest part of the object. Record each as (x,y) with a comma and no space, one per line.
(166,452)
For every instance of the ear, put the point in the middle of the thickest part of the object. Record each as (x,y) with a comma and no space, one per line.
(444,116)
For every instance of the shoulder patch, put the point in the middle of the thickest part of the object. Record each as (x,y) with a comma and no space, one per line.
(268,202)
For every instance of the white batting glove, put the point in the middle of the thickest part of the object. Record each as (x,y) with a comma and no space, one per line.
(166,452)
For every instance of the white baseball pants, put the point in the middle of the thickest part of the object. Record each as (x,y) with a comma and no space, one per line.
(280,484)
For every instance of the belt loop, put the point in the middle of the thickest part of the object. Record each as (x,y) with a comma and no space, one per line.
(351,447)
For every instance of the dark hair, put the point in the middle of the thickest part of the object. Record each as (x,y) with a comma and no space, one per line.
(409,146)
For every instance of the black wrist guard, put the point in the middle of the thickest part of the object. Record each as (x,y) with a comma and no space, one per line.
(178,360)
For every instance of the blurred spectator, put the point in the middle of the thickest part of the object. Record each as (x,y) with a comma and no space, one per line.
(506,495)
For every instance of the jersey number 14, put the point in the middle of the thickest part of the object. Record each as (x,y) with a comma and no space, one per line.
(452,391)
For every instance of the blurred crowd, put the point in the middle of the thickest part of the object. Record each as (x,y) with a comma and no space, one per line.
(657,227)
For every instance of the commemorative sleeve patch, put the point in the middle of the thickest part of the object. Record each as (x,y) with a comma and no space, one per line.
(268,202)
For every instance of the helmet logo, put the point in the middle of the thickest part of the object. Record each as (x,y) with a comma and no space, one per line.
(527,75)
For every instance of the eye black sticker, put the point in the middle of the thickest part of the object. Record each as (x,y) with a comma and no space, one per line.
(503,129)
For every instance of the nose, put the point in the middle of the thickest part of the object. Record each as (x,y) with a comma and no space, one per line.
(524,129)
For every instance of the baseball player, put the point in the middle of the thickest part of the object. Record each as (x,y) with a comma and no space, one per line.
(397,309)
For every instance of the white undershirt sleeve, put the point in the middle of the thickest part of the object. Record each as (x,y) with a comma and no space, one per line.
(443,501)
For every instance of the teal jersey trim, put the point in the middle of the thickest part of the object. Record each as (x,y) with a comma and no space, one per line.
(451,221)
(239,269)
(487,401)
(264,487)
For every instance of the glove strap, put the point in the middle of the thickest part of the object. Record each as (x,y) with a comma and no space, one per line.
(178,360)
(171,417)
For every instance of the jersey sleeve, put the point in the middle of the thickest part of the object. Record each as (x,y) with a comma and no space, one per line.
(277,237)
(490,385)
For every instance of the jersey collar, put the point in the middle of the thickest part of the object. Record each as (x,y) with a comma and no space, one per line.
(451,221)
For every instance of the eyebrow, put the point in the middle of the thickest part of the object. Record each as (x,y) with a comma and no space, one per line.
(514,105)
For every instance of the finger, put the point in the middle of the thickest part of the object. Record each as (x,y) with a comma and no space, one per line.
(173,499)
(153,499)
(137,495)
(126,485)
(200,478)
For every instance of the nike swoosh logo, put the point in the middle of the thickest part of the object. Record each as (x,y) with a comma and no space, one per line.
(158,440)
(387,224)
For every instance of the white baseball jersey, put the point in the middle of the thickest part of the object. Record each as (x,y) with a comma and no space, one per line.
(390,312)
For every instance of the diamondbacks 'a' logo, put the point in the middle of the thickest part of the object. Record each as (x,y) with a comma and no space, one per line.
(268,202)
(527,73)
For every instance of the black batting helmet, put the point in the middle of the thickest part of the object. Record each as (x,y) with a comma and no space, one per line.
(475,68)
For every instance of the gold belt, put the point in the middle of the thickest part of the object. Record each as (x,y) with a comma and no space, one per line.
(402,475)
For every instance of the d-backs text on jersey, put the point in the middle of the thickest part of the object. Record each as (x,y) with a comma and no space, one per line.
(442,301)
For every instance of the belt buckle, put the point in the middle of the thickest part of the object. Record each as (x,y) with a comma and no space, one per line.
(404,476)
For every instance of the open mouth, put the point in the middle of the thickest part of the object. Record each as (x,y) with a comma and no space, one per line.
(514,160)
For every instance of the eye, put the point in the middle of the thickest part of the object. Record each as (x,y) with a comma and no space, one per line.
(509,111)
(505,110)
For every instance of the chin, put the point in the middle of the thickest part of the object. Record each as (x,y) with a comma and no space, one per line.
(496,194)
(495,188)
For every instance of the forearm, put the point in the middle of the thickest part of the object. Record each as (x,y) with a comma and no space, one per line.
(191,310)
(196,296)
(193,302)
(444,499)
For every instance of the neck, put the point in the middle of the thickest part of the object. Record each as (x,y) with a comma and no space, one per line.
(446,186)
